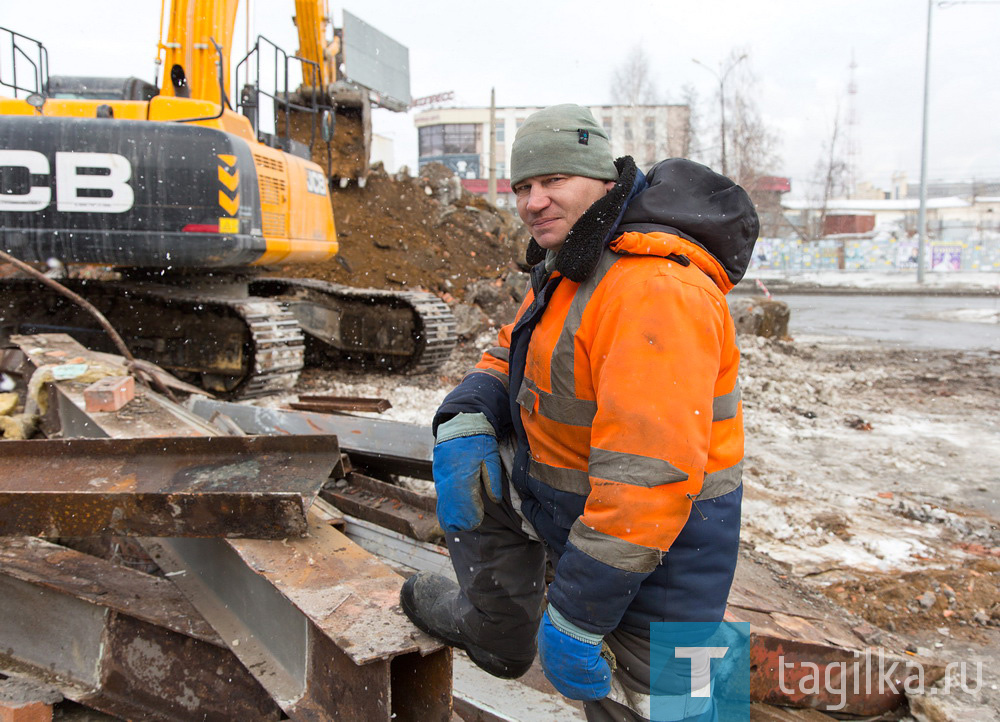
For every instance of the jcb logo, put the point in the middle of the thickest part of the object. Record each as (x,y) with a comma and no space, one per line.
(315,182)
(85,182)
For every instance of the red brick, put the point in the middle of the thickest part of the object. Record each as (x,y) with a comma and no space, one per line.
(109,394)
(25,712)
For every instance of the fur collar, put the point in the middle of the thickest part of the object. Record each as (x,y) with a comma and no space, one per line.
(581,252)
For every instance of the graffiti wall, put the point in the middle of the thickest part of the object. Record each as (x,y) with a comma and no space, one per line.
(875,254)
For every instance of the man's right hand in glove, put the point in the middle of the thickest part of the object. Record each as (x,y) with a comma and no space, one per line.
(465,464)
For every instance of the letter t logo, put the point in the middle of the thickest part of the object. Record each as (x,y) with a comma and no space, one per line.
(701,667)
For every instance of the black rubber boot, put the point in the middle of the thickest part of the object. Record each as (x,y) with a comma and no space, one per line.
(429,600)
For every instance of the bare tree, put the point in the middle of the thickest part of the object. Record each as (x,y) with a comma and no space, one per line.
(747,147)
(632,85)
(632,82)
(752,146)
(689,97)
(831,170)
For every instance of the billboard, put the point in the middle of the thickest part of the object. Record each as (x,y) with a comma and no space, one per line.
(376,61)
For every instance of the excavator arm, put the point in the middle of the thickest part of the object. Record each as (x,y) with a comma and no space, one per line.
(191,59)
(311,20)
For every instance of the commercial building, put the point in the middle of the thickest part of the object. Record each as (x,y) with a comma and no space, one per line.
(459,138)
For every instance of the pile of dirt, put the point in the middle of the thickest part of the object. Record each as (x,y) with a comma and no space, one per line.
(422,233)
(958,602)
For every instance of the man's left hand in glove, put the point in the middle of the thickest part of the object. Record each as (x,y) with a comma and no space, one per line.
(571,658)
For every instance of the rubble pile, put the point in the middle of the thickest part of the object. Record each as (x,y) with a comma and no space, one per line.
(955,602)
(421,232)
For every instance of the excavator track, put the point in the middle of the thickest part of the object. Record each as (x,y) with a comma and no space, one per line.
(245,341)
(241,346)
(365,328)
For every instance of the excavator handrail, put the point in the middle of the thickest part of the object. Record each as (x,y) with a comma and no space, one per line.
(223,100)
(40,69)
(281,96)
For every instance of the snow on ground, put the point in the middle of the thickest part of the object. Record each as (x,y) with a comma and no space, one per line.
(856,459)
(872,472)
(966,315)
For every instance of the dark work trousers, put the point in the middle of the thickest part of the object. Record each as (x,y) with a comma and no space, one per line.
(501,571)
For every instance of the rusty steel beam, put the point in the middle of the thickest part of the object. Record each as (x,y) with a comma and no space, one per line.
(117,640)
(793,673)
(326,404)
(390,446)
(316,620)
(186,486)
(385,504)
(66,414)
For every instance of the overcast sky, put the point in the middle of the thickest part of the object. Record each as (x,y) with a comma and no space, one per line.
(536,52)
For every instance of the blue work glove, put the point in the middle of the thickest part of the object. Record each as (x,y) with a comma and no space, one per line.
(463,467)
(571,658)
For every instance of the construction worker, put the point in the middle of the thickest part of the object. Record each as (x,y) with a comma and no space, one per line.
(603,432)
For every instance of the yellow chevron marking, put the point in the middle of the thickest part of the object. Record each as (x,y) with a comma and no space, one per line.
(229,160)
(229,205)
(229,180)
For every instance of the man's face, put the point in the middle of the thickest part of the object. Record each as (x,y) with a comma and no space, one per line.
(550,204)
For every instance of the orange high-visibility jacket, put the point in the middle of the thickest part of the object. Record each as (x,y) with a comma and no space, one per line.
(627,392)
(630,394)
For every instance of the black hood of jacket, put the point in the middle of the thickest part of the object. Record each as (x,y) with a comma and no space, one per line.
(694,202)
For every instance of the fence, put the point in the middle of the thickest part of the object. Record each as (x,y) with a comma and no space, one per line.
(877,254)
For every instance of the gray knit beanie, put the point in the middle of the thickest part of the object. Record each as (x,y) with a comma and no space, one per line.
(561,139)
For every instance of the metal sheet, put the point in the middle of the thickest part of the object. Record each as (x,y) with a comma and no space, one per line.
(72,648)
(185,486)
(358,656)
(150,598)
(62,625)
(392,446)
(148,414)
(399,549)
(326,404)
(507,700)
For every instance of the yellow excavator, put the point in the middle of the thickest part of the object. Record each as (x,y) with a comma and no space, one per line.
(178,189)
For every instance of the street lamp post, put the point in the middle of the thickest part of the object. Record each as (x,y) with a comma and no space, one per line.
(922,214)
(721,77)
